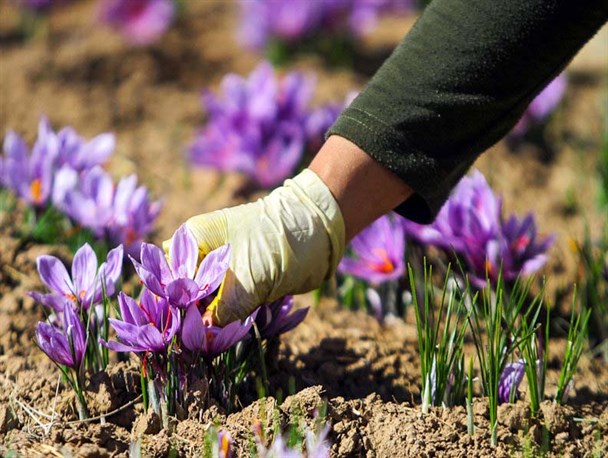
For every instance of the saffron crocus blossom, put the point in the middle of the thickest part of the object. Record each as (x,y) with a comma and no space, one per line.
(509,381)
(145,327)
(471,214)
(256,126)
(66,345)
(274,319)
(30,175)
(140,22)
(84,287)
(377,252)
(210,341)
(293,21)
(542,106)
(182,280)
(471,225)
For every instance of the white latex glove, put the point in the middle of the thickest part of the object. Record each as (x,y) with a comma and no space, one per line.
(285,243)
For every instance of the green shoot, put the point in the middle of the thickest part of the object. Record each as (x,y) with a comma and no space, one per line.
(535,354)
(496,333)
(470,418)
(441,348)
(577,332)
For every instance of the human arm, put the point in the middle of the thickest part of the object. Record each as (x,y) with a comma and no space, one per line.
(451,89)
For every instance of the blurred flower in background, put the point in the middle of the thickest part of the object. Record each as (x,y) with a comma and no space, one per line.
(263,21)
(65,171)
(140,22)
(541,107)
(40,5)
(256,126)
(321,119)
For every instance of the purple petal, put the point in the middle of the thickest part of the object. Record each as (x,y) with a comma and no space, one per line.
(110,271)
(130,311)
(183,253)
(84,271)
(229,335)
(183,291)
(193,329)
(54,301)
(213,268)
(154,260)
(54,275)
(150,280)
(96,151)
(52,342)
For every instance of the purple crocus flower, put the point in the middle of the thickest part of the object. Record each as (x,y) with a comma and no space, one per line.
(542,106)
(210,341)
(471,225)
(257,126)
(145,327)
(30,176)
(64,345)
(140,22)
(509,381)
(378,252)
(471,214)
(182,280)
(274,319)
(84,287)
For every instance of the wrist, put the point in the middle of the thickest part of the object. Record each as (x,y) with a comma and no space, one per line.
(363,189)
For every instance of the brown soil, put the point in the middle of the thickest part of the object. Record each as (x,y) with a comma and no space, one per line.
(82,75)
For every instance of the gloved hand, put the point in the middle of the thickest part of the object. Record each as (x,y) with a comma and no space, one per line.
(285,243)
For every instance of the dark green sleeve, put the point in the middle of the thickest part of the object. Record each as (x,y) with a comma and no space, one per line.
(458,82)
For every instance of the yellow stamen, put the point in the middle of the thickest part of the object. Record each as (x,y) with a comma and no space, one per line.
(36,190)
(386,266)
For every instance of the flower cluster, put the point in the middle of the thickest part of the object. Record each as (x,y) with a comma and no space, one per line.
(292,21)
(260,125)
(64,170)
(541,107)
(165,325)
(471,225)
(139,22)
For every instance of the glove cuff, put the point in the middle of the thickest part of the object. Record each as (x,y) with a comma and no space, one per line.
(316,195)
